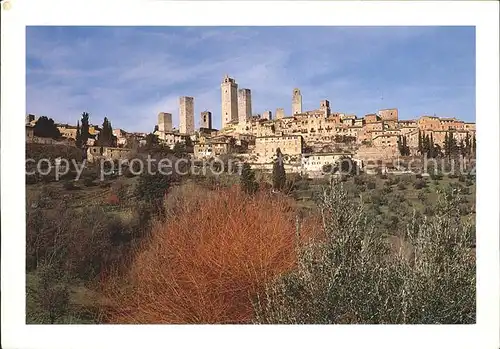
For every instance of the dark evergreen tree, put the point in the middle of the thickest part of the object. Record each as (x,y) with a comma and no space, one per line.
(84,130)
(400,146)
(106,137)
(462,149)
(420,146)
(468,144)
(473,147)
(432,148)
(426,147)
(453,145)
(447,145)
(279,174)
(406,148)
(450,145)
(46,128)
(247,180)
(78,139)
(152,140)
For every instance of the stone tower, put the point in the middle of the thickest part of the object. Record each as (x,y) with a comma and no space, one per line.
(165,122)
(296,102)
(229,89)
(280,113)
(206,119)
(244,105)
(186,115)
(324,106)
(267,115)
(29,118)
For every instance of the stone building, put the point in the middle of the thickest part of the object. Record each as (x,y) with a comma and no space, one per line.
(170,138)
(280,113)
(229,90)
(324,107)
(244,105)
(108,153)
(388,114)
(385,140)
(30,132)
(207,148)
(206,120)
(429,123)
(121,137)
(67,131)
(265,147)
(370,118)
(186,115)
(313,163)
(267,115)
(296,102)
(30,119)
(164,122)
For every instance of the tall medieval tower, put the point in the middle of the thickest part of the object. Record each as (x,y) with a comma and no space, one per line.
(165,122)
(206,119)
(186,115)
(229,89)
(324,106)
(296,102)
(244,105)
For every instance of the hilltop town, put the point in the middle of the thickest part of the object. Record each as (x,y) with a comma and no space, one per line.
(308,139)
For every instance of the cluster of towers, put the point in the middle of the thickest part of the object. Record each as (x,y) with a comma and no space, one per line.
(186,118)
(236,108)
(237,103)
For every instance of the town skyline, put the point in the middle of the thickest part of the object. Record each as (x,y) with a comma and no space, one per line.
(61,57)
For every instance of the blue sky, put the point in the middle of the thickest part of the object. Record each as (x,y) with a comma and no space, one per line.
(130,74)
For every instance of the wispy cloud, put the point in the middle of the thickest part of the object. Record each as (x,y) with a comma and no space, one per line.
(131,73)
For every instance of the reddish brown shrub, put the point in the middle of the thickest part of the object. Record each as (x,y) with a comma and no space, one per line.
(113,199)
(207,261)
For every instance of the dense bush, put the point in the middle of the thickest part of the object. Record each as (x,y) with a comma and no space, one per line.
(351,277)
(80,243)
(51,151)
(419,184)
(152,187)
(217,250)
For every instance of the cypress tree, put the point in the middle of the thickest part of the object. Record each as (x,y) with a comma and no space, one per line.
(467,144)
(279,175)
(420,149)
(432,152)
(84,130)
(426,145)
(447,144)
(78,139)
